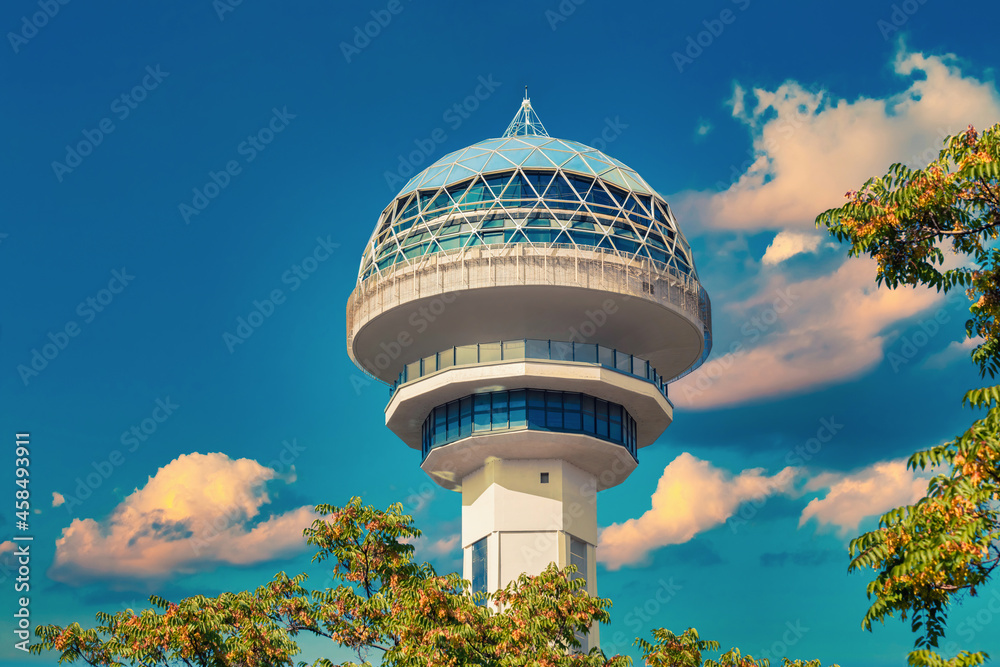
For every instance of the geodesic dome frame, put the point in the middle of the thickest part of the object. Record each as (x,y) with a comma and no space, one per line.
(527,188)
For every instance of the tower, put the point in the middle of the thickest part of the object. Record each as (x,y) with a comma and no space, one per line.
(527,299)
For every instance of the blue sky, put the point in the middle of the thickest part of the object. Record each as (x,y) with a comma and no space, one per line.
(751,118)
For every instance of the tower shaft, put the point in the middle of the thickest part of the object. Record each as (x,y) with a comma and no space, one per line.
(520,515)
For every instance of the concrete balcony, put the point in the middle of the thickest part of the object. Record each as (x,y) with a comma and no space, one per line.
(480,294)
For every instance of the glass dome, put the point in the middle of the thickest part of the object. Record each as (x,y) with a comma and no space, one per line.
(527,187)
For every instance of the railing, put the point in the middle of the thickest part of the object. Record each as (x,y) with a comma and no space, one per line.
(519,264)
(529,348)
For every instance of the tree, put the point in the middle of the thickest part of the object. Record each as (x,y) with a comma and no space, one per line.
(686,650)
(386,604)
(948,543)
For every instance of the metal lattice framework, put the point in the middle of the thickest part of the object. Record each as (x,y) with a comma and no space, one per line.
(528,189)
(526,121)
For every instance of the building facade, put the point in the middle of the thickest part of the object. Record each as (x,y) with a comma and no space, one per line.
(528,300)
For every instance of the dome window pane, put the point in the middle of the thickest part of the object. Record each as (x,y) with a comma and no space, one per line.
(477,192)
(515,189)
(497,163)
(560,189)
(539,181)
(617,193)
(537,159)
(475,163)
(538,235)
(600,197)
(581,185)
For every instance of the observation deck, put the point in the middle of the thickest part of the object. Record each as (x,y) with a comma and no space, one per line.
(472,295)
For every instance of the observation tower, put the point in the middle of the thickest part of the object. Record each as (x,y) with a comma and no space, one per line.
(528,299)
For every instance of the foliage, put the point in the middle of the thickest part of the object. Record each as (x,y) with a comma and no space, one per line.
(384,603)
(903,218)
(686,650)
(948,543)
(247,628)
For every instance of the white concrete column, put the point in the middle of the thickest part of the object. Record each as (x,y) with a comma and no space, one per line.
(529,522)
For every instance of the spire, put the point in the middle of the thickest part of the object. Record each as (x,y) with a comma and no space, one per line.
(525,121)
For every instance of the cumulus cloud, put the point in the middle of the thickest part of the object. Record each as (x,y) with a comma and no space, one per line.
(57,499)
(691,497)
(787,244)
(956,350)
(809,148)
(871,491)
(804,334)
(444,546)
(199,511)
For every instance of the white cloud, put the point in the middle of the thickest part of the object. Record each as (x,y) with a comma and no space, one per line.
(869,492)
(811,148)
(691,497)
(738,101)
(956,350)
(704,127)
(787,244)
(800,335)
(445,546)
(197,512)
(57,499)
